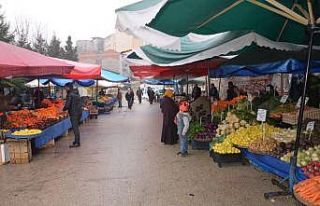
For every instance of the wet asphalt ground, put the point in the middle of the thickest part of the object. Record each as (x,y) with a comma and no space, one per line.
(121,162)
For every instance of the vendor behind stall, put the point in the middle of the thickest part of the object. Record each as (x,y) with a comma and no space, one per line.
(231,92)
(38,96)
(102,92)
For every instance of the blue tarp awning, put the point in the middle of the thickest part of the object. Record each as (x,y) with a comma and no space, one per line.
(285,66)
(160,82)
(112,76)
(62,82)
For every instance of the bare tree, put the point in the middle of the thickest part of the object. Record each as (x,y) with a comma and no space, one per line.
(22,34)
(40,43)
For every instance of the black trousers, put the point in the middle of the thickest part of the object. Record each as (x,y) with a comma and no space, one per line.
(75,120)
(140,99)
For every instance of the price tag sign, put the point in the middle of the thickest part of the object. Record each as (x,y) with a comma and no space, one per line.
(299,102)
(250,98)
(262,115)
(284,99)
(310,126)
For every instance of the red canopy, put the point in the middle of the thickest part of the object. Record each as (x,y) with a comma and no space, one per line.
(83,70)
(19,62)
(195,69)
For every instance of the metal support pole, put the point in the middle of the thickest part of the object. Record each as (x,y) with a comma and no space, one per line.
(293,161)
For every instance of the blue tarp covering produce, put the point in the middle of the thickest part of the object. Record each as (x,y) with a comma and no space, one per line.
(272,165)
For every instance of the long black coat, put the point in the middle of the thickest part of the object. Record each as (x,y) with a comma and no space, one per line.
(169,128)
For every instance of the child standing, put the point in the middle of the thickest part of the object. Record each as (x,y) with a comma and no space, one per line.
(182,120)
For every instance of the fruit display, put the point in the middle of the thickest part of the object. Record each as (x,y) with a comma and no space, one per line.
(304,156)
(222,105)
(230,125)
(263,145)
(226,147)
(312,169)
(244,136)
(34,119)
(103,99)
(285,135)
(308,191)
(58,103)
(27,132)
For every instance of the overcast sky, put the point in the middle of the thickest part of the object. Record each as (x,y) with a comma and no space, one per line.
(82,19)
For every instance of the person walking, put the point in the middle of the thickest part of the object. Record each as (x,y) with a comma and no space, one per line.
(182,120)
(169,110)
(130,98)
(139,94)
(74,106)
(196,92)
(151,95)
(119,97)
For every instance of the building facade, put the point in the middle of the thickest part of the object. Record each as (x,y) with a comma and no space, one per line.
(106,51)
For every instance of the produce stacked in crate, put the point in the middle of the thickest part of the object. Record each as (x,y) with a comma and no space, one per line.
(309,113)
(202,134)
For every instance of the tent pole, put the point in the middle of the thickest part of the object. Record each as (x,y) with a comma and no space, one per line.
(219,87)
(209,81)
(38,93)
(97,85)
(49,87)
(187,85)
(293,161)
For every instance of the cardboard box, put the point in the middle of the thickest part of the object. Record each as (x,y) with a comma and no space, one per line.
(4,154)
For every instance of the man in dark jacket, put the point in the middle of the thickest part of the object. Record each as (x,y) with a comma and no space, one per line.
(139,94)
(151,95)
(196,92)
(214,94)
(74,107)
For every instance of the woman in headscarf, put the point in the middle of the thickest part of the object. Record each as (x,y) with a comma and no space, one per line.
(169,110)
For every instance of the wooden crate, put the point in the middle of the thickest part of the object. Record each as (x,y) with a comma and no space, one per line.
(20,151)
(309,113)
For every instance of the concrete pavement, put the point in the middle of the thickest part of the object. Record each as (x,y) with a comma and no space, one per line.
(121,162)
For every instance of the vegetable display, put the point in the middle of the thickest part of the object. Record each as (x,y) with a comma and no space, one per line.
(308,191)
(304,156)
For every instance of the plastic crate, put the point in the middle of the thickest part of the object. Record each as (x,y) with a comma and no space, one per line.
(226,158)
(200,145)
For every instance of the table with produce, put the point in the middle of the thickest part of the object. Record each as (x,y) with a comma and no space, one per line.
(37,127)
(267,146)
